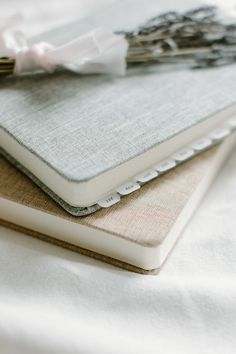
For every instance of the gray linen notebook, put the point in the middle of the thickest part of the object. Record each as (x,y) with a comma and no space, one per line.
(83,137)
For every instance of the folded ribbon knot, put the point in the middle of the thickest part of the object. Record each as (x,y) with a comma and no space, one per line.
(33,59)
(99,51)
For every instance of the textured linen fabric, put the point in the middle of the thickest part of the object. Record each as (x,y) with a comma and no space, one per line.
(91,124)
(55,301)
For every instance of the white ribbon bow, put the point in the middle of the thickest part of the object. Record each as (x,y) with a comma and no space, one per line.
(98,51)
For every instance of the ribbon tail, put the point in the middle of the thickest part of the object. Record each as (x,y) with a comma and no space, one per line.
(97,52)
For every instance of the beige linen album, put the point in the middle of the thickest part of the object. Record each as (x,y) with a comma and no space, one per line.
(136,233)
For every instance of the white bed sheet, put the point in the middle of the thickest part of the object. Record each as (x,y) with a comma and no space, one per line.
(56,301)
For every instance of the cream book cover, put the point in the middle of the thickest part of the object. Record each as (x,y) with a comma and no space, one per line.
(136,234)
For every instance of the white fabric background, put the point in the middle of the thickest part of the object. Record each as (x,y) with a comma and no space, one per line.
(56,301)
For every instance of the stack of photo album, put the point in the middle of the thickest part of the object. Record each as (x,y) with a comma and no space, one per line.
(113,167)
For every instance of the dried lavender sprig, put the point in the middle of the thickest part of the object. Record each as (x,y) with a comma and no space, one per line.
(6,66)
(197,36)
